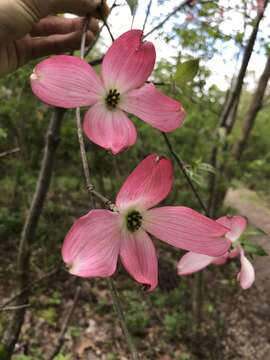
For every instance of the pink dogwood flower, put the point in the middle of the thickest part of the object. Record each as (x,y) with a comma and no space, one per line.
(69,82)
(92,246)
(193,262)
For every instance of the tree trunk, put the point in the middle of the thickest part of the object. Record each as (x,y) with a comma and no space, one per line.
(27,237)
(251,115)
(229,112)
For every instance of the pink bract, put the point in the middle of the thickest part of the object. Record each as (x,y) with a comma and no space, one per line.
(92,246)
(192,262)
(69,82)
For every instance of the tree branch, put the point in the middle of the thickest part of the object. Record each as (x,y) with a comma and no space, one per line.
(229,112)
(182,167)
(253,110)
(174,12)
(108,203)
(27,237)
(61,337)
(28,287)
(9,152)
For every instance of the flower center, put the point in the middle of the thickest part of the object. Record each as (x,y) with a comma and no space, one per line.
(112,98)
(134,220)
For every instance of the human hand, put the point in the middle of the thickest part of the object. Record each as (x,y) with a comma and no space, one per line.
(28,28)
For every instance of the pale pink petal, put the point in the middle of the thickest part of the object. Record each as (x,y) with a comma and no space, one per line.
(148,184)
(92,245)
(138,256)
(187,229)
(155,108)
(246,276)
(128,62)
(111,130)
(237,224)
(192,262)
(66,81)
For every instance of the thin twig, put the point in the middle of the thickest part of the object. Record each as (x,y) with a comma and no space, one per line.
(29,286)
(61,338)
(9,152)
(147,14)
(107,202)
(181,165)
(13,308)
(119,311)
(105,22)
(175,10)
(114,5)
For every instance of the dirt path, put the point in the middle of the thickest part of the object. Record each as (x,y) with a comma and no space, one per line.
(249,324)
(247,203)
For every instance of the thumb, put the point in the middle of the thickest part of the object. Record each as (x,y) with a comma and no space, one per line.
(18,16)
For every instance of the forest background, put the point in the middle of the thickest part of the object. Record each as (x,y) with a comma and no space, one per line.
(214,57)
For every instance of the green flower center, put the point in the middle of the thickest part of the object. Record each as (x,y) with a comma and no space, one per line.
(112,98)
(134,221)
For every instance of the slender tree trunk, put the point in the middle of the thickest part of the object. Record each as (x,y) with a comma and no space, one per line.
(27,237)
(254,108)
(229,112)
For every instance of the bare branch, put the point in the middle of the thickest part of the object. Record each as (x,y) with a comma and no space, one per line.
(30,286)
(147,14)
(27,237)
(66,322)
(174,12)
(182,167)
(90,188)
(13,308)
(9,152)
(253,110)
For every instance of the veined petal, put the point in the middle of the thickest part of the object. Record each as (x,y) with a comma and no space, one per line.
(148,184)
(192,262)
(246,276)
(128,62)
(237,225)
(155,108)
(138,256)
(187,229)
(92,245)
(111,130)
(66,81)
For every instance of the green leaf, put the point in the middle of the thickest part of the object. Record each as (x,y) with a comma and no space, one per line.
(132,5)
(3,134)
(186,71)
(253,249)
(207,167)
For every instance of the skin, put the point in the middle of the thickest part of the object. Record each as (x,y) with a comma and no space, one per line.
(30,29)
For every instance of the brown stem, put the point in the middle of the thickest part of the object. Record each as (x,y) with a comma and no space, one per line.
(108,203)
(181,166)
(174,12)
(61,337)
(29,287)
(147,14)
(9,152)
(12,332)
(120,314)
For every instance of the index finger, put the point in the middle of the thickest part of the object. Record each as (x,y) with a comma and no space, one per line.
(96,8)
